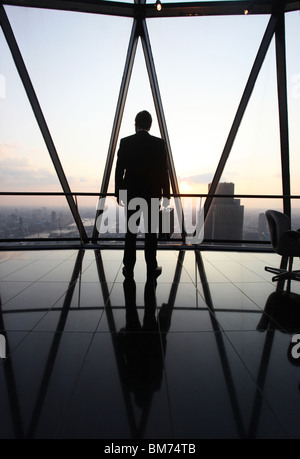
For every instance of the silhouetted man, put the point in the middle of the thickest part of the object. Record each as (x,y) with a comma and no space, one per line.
(141,172)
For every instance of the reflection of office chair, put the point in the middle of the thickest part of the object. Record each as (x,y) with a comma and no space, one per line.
(282,312)
(285,242)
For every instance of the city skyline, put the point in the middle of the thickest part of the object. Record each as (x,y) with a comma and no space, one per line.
(57,222)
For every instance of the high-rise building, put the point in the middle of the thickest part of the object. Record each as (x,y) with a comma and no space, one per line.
(262,223)
(226,216)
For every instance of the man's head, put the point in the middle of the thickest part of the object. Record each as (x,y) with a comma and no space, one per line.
(143,120)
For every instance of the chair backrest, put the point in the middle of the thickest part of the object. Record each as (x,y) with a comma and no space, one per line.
(278,224)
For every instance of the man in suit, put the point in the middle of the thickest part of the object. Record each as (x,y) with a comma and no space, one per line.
(141,172)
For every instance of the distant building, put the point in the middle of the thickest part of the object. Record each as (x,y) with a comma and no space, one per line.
(226,216)
(262,223)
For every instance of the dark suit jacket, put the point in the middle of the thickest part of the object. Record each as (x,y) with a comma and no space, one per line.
(141,167)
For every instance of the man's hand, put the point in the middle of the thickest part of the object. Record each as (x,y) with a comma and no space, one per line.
(120,202)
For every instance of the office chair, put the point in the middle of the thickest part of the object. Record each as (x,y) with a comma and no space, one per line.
(285,242)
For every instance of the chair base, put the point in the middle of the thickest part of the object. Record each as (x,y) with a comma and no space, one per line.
(283,274)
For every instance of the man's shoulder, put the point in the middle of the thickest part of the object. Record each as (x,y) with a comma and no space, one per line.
(129,138)
(157,139)
(142,137)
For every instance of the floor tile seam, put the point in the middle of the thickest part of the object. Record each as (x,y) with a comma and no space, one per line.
(251,330)
(202,294)
(256,384)
(247,296)
(174,332)
(75,384)
(194,282)
(257,257)
(237,262)
(19,259)
(20,292)
(107,301)
(254,272)
(218,310)
(142,332)
(94,333)
(67,257)
(60,264)
(70,286)
(188,274)
(251,270)
(52,332)
(165,375)
(79,371)
(221,272)
(224,332)
(235,282)
(261,392)
(37,281)
(13,272)
(72,309)
(11,352)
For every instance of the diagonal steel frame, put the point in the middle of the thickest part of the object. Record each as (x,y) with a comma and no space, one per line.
(241,109)
(21,67)
(283,112)
(117,123)
(227,372)
(161,119)
(55,346)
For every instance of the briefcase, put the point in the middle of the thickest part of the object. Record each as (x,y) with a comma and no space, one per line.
(166,222)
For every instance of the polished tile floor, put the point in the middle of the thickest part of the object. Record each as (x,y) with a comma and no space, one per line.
(205,353)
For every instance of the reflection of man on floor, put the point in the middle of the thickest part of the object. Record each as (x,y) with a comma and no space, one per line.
(141,172)
(142,346)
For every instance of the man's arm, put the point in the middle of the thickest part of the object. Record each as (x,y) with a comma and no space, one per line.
(165,176)
(119,173)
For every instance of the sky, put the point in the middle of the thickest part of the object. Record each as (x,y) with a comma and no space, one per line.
(76,61)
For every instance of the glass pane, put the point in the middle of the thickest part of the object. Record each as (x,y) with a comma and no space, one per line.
(254,164)
(139,98)
(295,215)
(203,64)
(239,219)
(75,61)
(25,164)
(292,28)
(31,217)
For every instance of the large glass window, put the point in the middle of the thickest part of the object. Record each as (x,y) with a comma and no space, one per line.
(75,61)
(292,27)
(76,64)
(203,64)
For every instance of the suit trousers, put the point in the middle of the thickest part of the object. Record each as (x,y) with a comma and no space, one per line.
(150,250)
